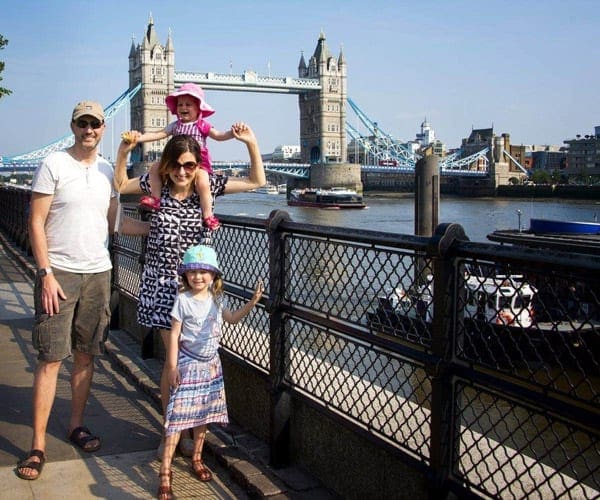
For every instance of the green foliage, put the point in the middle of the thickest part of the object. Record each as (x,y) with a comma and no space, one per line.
(541,177)
(3,91)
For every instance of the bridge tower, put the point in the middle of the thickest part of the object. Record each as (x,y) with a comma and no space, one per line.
(153,65)
(323,113)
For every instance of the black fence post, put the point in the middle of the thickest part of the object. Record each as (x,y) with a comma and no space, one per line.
(444,427)
(280,411)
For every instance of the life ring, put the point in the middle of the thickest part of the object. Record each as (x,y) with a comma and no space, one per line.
(505,317)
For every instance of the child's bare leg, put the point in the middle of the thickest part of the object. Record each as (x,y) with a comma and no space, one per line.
(169,451)
(202,186)
(164,474)
(200,470)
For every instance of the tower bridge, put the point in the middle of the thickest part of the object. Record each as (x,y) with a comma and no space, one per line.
(321,87)
(249,81)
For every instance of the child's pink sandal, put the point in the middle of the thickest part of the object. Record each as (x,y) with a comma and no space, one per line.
(211,223)
(150,203)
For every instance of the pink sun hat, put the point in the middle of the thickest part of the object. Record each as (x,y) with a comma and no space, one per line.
(193,90)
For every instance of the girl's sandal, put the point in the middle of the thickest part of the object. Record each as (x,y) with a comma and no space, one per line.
(165,492)
(201,471)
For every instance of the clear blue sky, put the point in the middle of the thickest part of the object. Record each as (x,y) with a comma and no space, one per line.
(529,68)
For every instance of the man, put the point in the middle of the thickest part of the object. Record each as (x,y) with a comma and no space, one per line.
(73,204)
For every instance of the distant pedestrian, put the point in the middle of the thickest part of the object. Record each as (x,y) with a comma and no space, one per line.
(73,203)
(190,107)
(192,360)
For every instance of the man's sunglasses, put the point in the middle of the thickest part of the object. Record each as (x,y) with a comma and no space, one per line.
(188,166)
(85,124)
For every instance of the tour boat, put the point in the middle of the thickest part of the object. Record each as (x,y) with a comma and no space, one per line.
(333,198)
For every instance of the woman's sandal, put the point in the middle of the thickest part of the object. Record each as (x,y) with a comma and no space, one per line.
(28,463)
(165,492)
(201,471)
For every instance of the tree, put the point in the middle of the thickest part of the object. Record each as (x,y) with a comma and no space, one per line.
(541,177)
(3,91)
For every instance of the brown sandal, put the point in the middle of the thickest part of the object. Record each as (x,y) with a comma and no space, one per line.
(35,465)
(165,492)
(201,471)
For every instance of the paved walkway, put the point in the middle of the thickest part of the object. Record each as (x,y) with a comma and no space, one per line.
(123,411)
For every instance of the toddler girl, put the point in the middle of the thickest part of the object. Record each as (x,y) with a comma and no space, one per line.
(191,109)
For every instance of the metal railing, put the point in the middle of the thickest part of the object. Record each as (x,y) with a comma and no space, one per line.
(478,364)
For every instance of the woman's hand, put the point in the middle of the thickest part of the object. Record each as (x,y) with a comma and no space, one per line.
(243,133)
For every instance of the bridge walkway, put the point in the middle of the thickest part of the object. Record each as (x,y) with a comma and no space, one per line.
(123,410)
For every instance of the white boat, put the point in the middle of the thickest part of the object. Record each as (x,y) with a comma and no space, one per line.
(499,300)
(499,319)
(333,198)
(268,189)
(282,188)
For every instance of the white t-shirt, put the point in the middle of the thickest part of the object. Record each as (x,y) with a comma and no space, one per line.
(201,323)
(77,224)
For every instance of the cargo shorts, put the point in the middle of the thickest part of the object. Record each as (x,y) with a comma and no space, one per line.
(83,320)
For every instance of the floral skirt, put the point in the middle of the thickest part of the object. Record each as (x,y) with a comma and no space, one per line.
(200,397)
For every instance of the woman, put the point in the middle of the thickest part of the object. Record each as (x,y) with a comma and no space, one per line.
(178,224)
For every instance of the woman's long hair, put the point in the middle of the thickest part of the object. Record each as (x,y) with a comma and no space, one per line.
(177,145)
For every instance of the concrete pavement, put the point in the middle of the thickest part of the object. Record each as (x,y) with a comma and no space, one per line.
(123,411)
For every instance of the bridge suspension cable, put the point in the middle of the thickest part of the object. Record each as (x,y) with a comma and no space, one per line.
(34,157)
(384,140)
(523,169)
(383,146)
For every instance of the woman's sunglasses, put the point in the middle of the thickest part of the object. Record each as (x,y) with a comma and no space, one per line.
(188,166)
(95,124)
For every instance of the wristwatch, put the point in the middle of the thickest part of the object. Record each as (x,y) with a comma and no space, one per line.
(44,271)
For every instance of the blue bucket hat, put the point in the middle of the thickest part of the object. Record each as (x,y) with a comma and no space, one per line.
(200,257)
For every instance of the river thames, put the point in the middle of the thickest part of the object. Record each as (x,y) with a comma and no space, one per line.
(478,216)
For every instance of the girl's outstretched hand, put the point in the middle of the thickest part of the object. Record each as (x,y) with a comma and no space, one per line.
(129,140)
(258,291)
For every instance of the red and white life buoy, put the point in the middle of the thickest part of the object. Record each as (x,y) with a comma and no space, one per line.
(505,317)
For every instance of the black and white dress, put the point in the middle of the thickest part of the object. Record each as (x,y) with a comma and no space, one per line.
(176,226)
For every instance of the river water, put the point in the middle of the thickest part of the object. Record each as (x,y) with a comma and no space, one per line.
(478,216)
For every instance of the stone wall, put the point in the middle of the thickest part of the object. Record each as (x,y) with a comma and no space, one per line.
(330,175)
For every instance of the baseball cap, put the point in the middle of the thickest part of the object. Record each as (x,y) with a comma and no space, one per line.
(88,108)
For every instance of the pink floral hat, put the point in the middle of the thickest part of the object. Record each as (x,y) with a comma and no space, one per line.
(193,90)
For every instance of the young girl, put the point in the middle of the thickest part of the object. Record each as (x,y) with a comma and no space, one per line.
(192,360)
(191,109)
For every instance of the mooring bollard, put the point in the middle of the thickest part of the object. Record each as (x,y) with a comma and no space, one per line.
(427,195)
